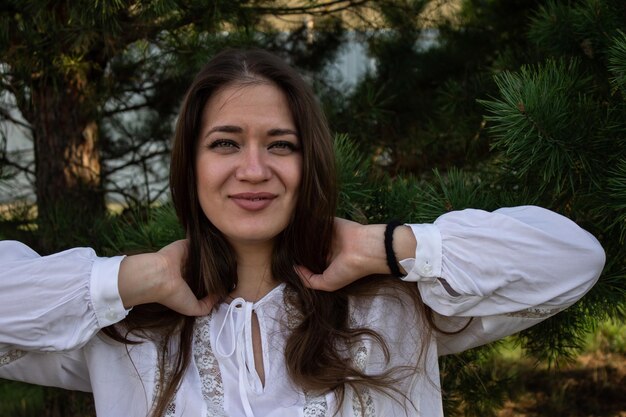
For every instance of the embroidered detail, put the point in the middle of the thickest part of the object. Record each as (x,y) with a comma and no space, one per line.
(315,405)
(362,401)
(10,356)
(292,314)
(208,367)
(170,410)
(535,313)
(360,357)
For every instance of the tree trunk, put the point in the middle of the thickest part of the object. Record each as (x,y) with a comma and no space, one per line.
(68,182)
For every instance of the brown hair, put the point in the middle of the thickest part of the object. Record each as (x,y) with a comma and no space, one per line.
(313,355)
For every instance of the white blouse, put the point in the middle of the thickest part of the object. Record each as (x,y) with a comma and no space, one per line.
(509,269)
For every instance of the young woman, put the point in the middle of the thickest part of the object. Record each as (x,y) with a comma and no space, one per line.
(271,306)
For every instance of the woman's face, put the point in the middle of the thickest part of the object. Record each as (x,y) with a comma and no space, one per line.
(248,162)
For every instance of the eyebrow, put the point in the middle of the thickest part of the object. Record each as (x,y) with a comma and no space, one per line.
(237,129)
(282,132)
(225,129)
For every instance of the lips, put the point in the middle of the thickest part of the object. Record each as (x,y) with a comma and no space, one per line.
(253,201)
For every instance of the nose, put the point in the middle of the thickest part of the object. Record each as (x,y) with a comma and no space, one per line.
(253,166)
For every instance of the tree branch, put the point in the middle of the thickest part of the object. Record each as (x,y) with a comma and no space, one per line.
(135,161)
(328,7)
(4,161)
(134,107)
(4,113)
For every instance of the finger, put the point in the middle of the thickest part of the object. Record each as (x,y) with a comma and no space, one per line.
(315,281)
(305,274)
(205,305)
(186,303)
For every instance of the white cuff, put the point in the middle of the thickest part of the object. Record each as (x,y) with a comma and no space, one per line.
(427,261)
(105,296)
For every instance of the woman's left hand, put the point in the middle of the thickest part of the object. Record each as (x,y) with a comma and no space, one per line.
(357,251)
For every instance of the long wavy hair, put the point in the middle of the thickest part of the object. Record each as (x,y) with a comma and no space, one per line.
(315,348)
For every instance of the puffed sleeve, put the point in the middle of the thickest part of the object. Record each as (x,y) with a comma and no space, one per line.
(51,306)
(509,269)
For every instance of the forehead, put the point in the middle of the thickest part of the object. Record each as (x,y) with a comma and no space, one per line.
(261,101)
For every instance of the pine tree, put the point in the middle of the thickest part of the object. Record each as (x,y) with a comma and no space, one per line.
(558,133)
(560,128)
(556,126)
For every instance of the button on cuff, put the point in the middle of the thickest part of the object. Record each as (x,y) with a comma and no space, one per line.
(427,262)
(105,298)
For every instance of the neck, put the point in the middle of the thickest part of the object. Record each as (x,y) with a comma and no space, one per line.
(254,272)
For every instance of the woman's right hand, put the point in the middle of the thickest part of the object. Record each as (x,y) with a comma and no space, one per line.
(156,278)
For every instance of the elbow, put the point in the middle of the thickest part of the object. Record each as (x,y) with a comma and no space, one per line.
(598,257)
(594,258)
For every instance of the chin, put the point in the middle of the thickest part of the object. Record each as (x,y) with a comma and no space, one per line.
(251,236)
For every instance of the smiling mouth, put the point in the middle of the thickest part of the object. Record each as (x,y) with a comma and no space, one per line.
(253,201)
(253,196)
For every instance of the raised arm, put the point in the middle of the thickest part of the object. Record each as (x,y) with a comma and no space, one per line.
(510,268)
(476,263)
(58,302)
(156,278)
(52,306)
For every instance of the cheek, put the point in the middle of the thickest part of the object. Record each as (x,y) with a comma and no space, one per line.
(208,196)
(209,174)
(206,190)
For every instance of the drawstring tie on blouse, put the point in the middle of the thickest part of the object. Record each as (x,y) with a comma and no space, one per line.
(238,322)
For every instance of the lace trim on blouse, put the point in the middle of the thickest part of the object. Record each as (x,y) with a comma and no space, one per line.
(315,405)
(535,313)
(170,410)
(10,356)
(208,367)
(362,401)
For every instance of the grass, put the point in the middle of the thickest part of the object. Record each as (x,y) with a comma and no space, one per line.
(25,400)
(20,400)
(594,385)
(610,337)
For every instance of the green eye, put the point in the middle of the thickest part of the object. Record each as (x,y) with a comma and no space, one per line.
(220,143)
(225,144)
(283,147)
